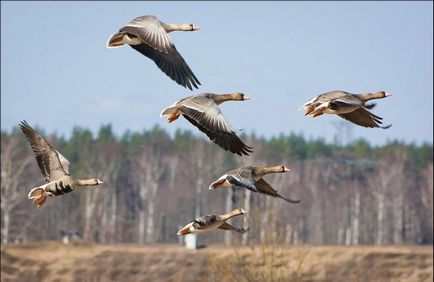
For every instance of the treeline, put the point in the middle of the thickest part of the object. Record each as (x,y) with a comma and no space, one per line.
(154,183)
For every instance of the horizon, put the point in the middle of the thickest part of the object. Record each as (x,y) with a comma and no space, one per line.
(120,135)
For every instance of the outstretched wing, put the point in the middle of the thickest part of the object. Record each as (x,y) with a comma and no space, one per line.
(365,118)
(171,63)
(51,163)
(207,117)
(150,31)
(265,188)
(227,226)
(246,183)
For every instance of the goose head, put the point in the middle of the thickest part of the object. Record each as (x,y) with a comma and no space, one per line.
(241,211)
(187,27)
(284,169)
(194,27)
(239,97)
(382,94)
(96,181)
(376,95)
(278,169)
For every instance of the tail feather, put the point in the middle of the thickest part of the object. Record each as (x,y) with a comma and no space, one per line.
(184,231)
(169,111)
(36,192)
(116,40)
(217,184)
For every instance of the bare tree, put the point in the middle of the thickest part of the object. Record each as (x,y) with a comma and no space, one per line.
(229,205)
(388,186)
(427,196)
(13,188)
(388,201)
(247,161)
(108,165)
(149,167)
(199,169)
(101,203)
(92,201)
(356,218)
(138,170)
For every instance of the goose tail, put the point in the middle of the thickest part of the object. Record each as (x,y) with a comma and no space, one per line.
(35,192)
(172,109)
(116,40)
(168,111)
(219,183)
(185,230)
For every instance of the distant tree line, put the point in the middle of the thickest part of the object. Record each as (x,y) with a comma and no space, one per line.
(154,183)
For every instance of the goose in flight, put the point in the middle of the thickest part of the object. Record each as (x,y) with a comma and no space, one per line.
(203,112)
(351,107)
(150,37)
(250,177)
(211,222)
(54,167)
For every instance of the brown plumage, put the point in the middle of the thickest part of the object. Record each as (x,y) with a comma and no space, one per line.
(250,177)
(211,222)
(203,112)
(149,36)
(54,167)
(351,107)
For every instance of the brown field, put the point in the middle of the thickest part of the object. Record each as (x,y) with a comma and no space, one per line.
(53,261)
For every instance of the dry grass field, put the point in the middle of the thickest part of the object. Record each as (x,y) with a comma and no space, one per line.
(53,261)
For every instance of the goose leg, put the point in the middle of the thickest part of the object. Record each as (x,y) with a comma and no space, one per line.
(41,202)
(36,198)
(317,111)
(317,114)
(309,109)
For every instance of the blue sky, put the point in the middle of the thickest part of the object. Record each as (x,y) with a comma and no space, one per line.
(56,72)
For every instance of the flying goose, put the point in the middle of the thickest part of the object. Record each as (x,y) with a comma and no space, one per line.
(211,222)
(54,167)
(149,36)
(250,177)
(203,112)
(349,106)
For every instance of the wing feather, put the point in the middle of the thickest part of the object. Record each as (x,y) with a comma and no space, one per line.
(365,118)
(207,117)
(227,226)
(265,188)
(150,31)
(52,164)
(171,63)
